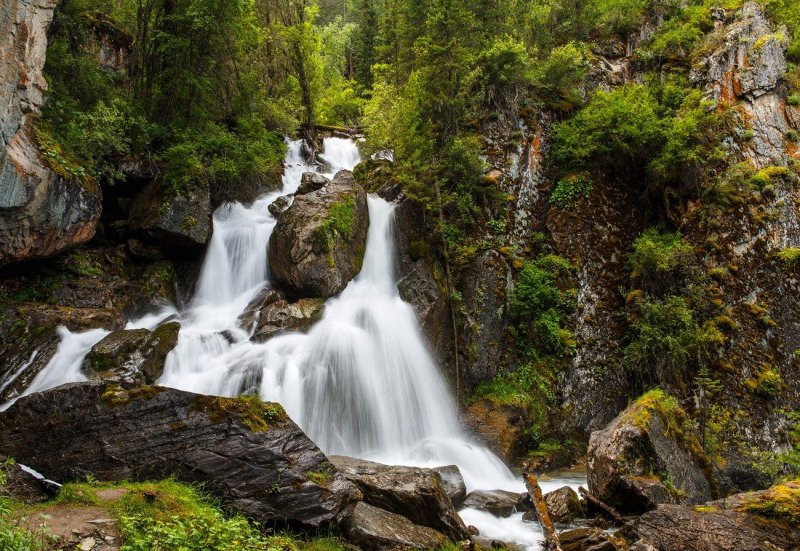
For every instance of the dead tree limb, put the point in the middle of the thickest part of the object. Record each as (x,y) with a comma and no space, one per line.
(552,542)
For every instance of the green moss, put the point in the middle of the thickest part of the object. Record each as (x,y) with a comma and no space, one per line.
(790,256)
(249,410)
(781,502)
(340,224)
(114,395)
(767,382)
(320,478)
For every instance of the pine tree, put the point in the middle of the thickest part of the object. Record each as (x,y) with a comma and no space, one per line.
(365,41)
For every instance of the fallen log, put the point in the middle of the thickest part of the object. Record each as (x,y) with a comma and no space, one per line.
(552,542)
(608,509)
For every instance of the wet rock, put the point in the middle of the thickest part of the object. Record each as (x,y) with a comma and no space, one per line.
(453,483)
(270,314)
(26,487)
(623,457)
(717,527)
(563,505)
(318,244)
(311,181)
(415,493)
(161,216)
(588,539)
(502,428)
(500,503)
(134,356)
(247,453)
(374,529)
(279,206)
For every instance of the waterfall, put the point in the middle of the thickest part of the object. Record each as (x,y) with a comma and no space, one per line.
(361,382)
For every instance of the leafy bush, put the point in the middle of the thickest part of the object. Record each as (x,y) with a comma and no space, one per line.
(506,68)
(619,130)
(558,77)
(540,305)
(569,189)
(668,341)
(660,262)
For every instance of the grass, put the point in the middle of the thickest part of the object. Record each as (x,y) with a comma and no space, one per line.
(168,515)
(340,223)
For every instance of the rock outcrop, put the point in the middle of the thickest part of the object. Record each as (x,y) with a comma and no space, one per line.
(374,529)
(133,356)
(753,521)
(41,212)
(453,483)
(172,219)
(318,244)
(501,428)
(246,452)
(415,493)
(643,458)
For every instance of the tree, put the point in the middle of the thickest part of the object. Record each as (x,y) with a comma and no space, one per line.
(365,42)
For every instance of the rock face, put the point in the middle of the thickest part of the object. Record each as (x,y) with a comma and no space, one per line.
(41,212)
(415,493)
(172,220)
(716,528)
(134,356)
(499,427)
(453,483)
(247,453)
(500,503)
(374,529)
(318,244)
(630,460)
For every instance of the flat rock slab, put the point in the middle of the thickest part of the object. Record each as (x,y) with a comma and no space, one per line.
(246,452)
(415,493)
(374,529)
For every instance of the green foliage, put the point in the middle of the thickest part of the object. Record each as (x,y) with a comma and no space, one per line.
(558,77)
(506,69)
(787,12)
(619,130)
(340,224)
(660,262)
(540,305)
(570,189)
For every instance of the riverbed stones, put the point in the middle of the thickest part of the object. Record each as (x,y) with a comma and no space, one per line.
(247,453)
(500,503)
(374,529)
(270,314)
(318,244)
(563,505)
(415,493)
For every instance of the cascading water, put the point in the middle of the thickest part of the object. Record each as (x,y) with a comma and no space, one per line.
(360,383)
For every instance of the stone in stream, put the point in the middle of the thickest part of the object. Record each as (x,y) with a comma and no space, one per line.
(374,529)
(415,493)
(132,356)
(318,244)
(278,206)
(585,539)
(643,440)
(453,483)
(170,219)
(500,503)
(311,181)
(246,452)
(270,314)
(563,505)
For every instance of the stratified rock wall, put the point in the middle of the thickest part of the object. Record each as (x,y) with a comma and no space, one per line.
(41,212)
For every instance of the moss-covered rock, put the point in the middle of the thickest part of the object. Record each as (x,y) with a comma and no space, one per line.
(646,456)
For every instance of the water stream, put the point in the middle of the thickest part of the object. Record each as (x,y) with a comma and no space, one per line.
(361,382)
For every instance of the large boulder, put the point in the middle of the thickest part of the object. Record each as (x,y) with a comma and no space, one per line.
(374,529)
(563,505)
(246,452)
(318,244)
(311,181)
(133,356)
(453,483)
(172,219)
(644,457)
(413,492)
(753,521)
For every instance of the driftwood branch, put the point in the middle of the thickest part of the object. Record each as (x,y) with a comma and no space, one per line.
(609,510)
(552,542)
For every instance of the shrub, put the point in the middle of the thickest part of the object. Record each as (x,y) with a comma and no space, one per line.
(540,305)
(660,262)
(558,77)
(569,189)
(668,341)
